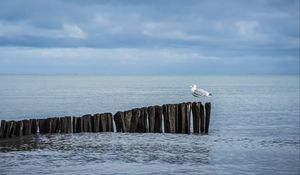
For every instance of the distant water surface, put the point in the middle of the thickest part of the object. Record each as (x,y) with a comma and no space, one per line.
(254,125)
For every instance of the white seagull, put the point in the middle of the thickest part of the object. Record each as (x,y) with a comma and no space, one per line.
(199,92)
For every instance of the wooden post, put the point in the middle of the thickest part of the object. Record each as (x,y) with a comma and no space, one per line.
(181,118)
(127,119)
(170,118)
(188,117)
(207,115)
(196,116)
(135,119)
(142,123)
(26,127)
(9,129)
(2,129)
(96,123)
(13,129)
(6,129)
(74,124)
(109,122)
(87,123)
(104,122)
(151,118)
(19,129)
(41,123)
(202,118)
(56,125)
(48,125)
(146,122)
(33,126)
(158,119)
(176,118)
(79,124)
(119,121)
(166,118)
(62,123)
(68,120)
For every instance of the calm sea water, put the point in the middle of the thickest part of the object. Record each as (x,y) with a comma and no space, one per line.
(254,126)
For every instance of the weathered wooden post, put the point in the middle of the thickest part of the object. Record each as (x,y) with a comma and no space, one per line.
(13,129)
(180,126)
(103,121)
(127,119)
(68,120)
(63,125)
(207,116)
(41,123)
(26,127)
(110,122)
(55,125)
(9,130)
(166,119)
(120,122)
(2,128)
(79,124)
(196,116)
(181,118)
(49,125)
(106,122)
(136,113)
(87,123)
(33,126)
(74,124)
(158,119)
(176,118)
(151,118)
(146,122)
(96,123)
(202,117)
(170,118)
(19,129)
(142,123)
(188,117)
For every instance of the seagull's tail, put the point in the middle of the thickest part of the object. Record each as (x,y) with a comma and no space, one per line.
(210,94)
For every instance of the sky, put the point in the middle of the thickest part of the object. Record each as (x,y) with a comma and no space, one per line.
(149,37)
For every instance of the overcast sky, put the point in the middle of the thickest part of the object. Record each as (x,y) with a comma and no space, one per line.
(149,37)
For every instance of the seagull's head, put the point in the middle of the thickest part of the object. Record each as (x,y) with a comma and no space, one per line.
(193,86)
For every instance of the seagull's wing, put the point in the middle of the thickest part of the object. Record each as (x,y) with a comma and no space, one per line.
(201,92)
(196,95)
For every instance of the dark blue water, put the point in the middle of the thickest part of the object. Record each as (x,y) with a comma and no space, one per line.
(254,126)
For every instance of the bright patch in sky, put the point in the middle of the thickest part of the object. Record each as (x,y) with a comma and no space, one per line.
(74,31)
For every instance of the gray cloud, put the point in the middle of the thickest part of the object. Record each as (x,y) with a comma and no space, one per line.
(222,29)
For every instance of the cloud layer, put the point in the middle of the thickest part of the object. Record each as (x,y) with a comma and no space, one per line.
(149,37)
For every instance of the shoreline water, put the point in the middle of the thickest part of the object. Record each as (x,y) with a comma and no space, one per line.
(254,125)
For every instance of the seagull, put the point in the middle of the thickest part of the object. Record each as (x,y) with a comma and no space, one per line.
(199,92)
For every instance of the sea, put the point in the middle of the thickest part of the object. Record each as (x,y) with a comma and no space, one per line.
(254,125)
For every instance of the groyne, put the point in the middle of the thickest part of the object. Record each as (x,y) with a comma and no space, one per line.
(167,118)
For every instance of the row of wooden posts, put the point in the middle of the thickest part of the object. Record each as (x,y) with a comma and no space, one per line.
(168,118)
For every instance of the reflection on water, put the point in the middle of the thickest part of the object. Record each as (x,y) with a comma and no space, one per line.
(89,153)
(130,148)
